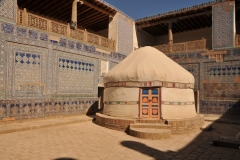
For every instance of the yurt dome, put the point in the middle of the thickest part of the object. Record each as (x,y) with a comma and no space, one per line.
(148,64)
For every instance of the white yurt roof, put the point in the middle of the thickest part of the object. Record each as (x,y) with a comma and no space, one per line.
(148,64)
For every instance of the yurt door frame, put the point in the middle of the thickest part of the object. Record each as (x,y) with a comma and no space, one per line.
(150,103)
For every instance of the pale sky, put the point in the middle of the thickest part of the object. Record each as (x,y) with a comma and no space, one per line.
(143,8)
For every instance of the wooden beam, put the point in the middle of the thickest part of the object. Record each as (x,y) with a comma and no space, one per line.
(57,9)
(89,15)
(193,22)
(83,11)
(147,31)
(67,17)
(173,19)
(175,28)
(96,8)
(188,25)
(100,26)
(39,7)
(198,22)
(82,8)
(93,21)
(50,7)
(178,26)
(155,30)
(94,15)
(160,30)
(25,4)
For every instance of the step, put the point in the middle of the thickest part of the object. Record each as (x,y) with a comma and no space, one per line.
(150,121)
(150,125)
(207,126)
(150,133)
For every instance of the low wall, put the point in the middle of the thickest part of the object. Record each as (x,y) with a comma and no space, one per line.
(25,109)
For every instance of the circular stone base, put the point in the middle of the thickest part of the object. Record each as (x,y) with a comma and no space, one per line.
(177,126)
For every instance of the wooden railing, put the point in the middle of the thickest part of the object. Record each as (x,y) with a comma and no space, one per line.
(183,47)
(164,48)
(237,40)
(38,22)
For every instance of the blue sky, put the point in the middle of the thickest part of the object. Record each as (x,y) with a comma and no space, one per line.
(143,8)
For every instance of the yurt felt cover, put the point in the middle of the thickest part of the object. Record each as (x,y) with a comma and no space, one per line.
(148,64)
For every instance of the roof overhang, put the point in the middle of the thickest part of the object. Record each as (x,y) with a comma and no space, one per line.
(185,19)
(92,14)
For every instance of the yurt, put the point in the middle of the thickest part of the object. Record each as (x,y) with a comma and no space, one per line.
(148,84)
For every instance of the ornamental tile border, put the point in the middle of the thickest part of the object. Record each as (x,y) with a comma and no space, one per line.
(122,103)
(136,102)
(177,103)
(149,84)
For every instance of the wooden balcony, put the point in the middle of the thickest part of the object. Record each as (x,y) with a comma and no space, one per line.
(41,23)
(197,45)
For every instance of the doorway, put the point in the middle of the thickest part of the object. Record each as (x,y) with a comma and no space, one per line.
(100,95)
(150,100)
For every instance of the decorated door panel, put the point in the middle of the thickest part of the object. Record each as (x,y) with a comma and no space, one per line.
(149,103)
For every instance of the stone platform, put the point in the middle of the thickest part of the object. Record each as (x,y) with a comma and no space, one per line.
(151,128)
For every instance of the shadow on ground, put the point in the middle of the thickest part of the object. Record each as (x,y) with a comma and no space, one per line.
(226,128)
(65,158)
(144,149)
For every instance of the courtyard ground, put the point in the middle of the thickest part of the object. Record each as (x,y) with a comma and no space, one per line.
(83,140)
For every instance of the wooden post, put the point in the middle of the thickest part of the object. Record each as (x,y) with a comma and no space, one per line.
(49,25)
(114,45)
(25,17)
(204,43)
(100,40)
(170,36)
(68,30)
(85,35)
(17,15)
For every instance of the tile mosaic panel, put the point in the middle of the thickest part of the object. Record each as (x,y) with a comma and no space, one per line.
(7,9)
(222,81)
(7,28)
(76,74)
(223,24)
(104,67)
(191,57)
(111,65)
(21,32)
(226,108)
(194,70)
(26,71)
(125,35)
(232,54)
(39,108)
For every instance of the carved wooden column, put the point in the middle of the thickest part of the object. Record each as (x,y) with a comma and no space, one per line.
(25,16)
(170,36)
(74,14)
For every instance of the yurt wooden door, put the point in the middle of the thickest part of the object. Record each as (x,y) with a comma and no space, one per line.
(150,102)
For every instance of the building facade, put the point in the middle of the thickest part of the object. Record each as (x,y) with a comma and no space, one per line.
(48,69)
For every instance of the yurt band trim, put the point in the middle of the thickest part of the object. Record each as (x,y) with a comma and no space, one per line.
(136,102)
(149,84)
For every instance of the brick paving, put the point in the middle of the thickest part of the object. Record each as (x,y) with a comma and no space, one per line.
(86,140)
